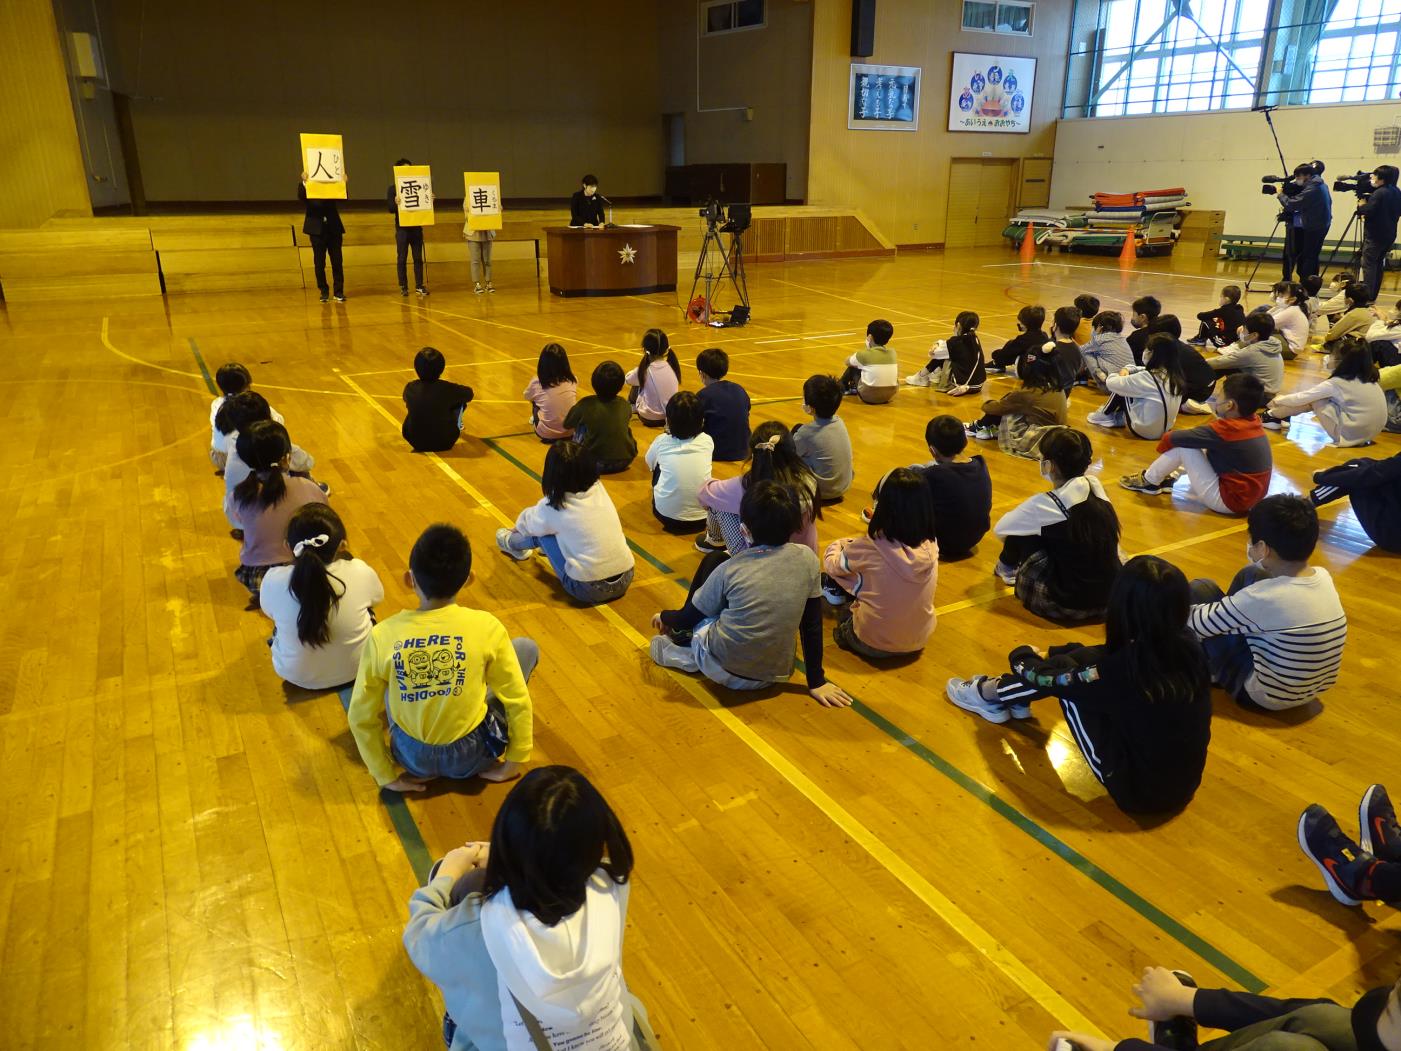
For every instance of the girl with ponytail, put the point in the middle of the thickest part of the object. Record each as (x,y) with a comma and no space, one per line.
(263,503)
(656,378)
(321,605)
(773,458)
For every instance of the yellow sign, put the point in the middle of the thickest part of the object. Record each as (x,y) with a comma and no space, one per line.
(413,186)
(482,200)
(323,160)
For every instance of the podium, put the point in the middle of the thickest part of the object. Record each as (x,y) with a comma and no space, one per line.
(621,261)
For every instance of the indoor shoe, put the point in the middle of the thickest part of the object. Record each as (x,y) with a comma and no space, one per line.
(1005,573)
(420,290)
(325,296)
(403,290)
(705,547)
(1381,834)
(1271,423)
(1106,419)
(339,297)
(1139,483)
(1195,408)
(1343,864)
(478,289)
(982,434)
(503,541)
(919,379)
(967,694)
(1179,1033)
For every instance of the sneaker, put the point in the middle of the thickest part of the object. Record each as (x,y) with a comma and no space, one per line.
(1195,408)
(919,379)
(1271,423)
(491,288)
(995,370)
(968,695)
(982,434)
(478,289)
(1106,419)
(1139,483)
(1343,864)
(1179,1033)
(403,290)
(325,296)
(1381,834)
(1196,341)
(339,297)
(705,547)
(503,541)
(1005,573)
(420,290)
(834,595)
(324,488)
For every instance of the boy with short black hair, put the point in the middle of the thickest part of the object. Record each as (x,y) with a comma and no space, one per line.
(1107,351)
(1218,327)
(1228,461)
(742,618)
(448,681)
(1088,306)
(726,406)
(873,373)
(1028,339)
(1258,351)
(1148,320)
(435,406)
(600,420)
(1070,363)
(824,444)
(1275,640)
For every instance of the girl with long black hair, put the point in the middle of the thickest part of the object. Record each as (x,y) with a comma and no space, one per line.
(1138,706)
(321,605)
(656,378)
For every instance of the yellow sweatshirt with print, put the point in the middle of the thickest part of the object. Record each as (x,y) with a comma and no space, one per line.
(432,670)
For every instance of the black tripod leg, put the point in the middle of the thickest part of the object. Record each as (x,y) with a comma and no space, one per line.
(1339,243)
(1261,257)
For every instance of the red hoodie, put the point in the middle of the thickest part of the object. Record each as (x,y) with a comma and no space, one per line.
(1238,451)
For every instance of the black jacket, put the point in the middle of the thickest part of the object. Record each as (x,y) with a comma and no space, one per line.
(1309,207)
(583,209)
(1374,487)
(323,218)
(1379,215)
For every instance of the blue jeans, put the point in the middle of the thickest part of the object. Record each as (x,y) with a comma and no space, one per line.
(1228,656)
(467,756)
(591,592)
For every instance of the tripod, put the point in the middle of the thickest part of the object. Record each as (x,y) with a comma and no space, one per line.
(731,267)
(1356,244)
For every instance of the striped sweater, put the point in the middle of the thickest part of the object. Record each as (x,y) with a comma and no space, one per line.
(1239,453)
(1295,627)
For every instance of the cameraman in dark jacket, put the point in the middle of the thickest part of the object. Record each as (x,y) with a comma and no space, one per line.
(1380,212)
(1308,211)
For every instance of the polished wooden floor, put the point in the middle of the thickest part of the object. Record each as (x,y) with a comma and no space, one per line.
(194,857)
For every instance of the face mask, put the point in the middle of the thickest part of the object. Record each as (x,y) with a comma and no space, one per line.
(1256,562)
(1046,471)
(1135,322)
(1366,1017)
(1281,301)
(1242,335)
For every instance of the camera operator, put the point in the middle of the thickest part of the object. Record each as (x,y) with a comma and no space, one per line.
(1308,213)
(1380,211)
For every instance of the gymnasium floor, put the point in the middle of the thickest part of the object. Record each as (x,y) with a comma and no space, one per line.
(194,856)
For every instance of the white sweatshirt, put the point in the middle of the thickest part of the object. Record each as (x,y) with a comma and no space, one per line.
(685,467)
(1152,407)
(1031,516)
(589,532)
(1352,412)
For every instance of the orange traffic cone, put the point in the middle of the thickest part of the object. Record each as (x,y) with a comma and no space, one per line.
(1128,258)
(1029,244)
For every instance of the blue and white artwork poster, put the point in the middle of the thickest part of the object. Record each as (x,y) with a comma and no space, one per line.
(883,98)
(991,93)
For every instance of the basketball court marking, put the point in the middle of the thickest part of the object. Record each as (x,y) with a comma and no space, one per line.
(1161,274)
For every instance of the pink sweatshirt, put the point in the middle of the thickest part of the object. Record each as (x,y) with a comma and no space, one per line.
(552,405)
(725,494)
(893,586)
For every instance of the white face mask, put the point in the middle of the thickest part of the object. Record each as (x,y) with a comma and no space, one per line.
(1046,471)
(1281,301)
(1256,562)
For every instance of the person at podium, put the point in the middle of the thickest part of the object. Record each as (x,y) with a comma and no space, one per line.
(586,207)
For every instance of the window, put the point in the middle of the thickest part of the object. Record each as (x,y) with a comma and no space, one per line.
(731,16)
(998,16)
(1168,56)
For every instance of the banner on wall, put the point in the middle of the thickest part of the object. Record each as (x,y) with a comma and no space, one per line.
(323,160)
(413,184)
(991,93)
(883,98)
(482,200)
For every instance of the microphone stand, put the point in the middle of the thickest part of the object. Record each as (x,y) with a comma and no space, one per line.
(606,201)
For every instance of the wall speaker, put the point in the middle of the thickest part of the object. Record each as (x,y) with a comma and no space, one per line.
(863,28)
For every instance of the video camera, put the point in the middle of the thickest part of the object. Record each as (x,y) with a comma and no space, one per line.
(712,212)
(1269,182)
(1360,184)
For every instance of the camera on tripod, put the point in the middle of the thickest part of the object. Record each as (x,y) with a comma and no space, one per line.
(711,212)
(1360,184)
(1269,182)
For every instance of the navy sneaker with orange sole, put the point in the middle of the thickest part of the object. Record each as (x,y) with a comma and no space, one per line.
(1343,864)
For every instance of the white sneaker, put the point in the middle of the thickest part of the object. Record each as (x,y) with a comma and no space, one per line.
(1106,419)
(503,541)
(668,654)
(1195,408)
(490,287)
(1005,573)
(967,694)
(478,290)
(919,379)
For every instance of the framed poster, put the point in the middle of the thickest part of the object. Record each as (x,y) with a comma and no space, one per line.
(991,93)
(883,98)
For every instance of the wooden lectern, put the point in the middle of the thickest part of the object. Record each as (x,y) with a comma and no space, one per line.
(621,261)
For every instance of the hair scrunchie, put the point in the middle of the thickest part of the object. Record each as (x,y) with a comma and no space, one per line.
(312,541)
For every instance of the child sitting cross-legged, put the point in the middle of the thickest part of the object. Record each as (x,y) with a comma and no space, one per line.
(1070,363)
(1138,706)
(322,605)
(231,379)
(1060,549)
(1145,398)
(435,407)
(1029,338)
(956,364)
(1349,405)
(1218,327)
(873,373)
(1088,306)
(680,462)
(883,583)
(1107,351)
(1228,461)
(552,392)
(726,405)
(739,622)
(1355,320)
(1275,639)
(599,421)
(656,378)
(1258,351)
(445,681)
(773,457)
(1019,418)
(824,444)
(1374,489)
(576,526)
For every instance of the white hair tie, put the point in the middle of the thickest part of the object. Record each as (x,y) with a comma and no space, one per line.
(313,541)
